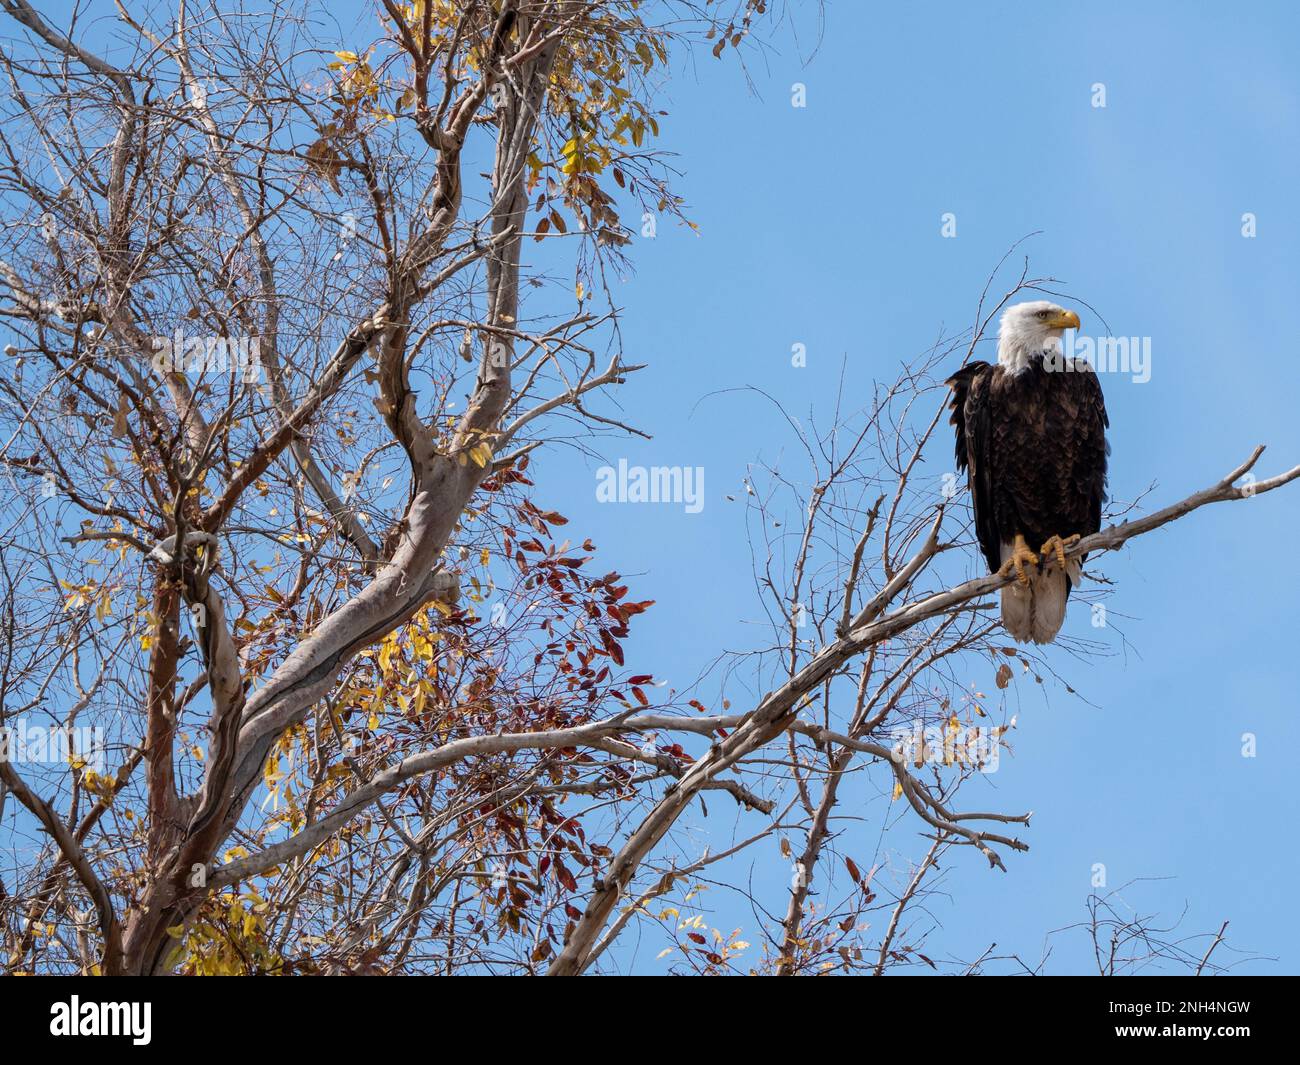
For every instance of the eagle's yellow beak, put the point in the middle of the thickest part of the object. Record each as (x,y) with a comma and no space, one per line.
(1064,320)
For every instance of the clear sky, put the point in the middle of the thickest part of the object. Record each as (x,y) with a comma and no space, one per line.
(822,225)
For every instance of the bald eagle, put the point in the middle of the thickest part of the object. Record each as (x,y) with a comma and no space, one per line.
(1031,436)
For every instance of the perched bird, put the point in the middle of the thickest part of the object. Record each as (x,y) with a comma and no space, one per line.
(1031,435)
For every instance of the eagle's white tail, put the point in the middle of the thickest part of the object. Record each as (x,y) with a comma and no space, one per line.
(1035,614)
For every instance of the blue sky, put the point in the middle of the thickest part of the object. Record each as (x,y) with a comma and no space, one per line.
(821,225)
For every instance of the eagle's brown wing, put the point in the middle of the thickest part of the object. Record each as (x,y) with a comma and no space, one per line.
(971,415)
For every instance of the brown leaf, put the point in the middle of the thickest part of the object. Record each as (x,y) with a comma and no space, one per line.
(325,161)
(121,428)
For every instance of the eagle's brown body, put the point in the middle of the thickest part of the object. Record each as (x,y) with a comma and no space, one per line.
(1033,443)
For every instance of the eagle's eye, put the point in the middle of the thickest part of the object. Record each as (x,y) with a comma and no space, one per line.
(1041,315)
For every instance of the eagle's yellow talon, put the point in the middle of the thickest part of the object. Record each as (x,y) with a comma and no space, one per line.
(1021,557)
(1057,546)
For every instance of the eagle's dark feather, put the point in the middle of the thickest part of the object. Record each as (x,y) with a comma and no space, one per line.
(1034,447)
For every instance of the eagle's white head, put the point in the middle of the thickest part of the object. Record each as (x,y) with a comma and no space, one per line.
(1030,329)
